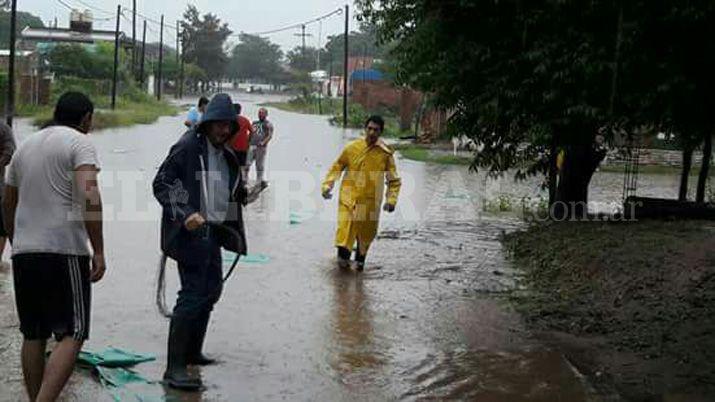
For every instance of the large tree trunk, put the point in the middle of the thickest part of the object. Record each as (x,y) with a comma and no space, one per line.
(705,169)
(553,173)
(580,163)
(685,174)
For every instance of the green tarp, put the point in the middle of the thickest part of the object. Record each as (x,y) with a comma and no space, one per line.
(297,218)
(112,367)
(112,357)
(257,259)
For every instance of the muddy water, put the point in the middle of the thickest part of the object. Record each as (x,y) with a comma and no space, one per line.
(424,321)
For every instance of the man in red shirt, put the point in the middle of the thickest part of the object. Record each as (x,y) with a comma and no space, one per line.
(240,141)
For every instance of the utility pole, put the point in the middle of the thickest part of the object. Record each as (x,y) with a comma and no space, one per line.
(134,38)
(177,41)
(141,65)
(303,35)
(181,71)
(345,67)
(161,58)
(11,65)
(176,72)
(116,59)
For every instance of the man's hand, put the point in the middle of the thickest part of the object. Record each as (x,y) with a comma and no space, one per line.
(99,266)
(389,208)
(328,194)
(194,222)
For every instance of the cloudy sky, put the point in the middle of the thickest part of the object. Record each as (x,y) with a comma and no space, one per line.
(241,15)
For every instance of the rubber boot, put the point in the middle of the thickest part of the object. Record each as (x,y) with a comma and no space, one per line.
(194,355)
(360,260)
(176,375)
(343,258)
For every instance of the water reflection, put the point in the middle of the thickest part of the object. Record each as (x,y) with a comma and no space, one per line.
(352,328)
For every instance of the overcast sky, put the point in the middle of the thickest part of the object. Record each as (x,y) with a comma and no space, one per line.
(241,15)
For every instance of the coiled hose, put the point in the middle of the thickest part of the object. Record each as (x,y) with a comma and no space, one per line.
(161,276)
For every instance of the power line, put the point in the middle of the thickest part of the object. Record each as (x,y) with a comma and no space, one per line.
(73,8)
(339,11)
(94,7)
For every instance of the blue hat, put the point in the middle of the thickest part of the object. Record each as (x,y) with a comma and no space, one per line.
(219,109)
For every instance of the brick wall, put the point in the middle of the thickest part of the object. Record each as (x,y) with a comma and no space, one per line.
(380,95)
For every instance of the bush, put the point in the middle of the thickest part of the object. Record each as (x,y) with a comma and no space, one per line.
(356,116)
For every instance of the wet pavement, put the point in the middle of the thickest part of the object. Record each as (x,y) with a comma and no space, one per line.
(426,320)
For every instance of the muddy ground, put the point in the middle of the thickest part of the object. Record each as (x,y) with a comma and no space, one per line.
(632,305)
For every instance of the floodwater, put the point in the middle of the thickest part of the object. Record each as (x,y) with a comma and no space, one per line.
(426,320)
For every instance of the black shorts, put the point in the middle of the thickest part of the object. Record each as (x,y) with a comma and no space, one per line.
(52,293)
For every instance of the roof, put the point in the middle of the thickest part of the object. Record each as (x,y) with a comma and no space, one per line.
(366,75)
(66,35)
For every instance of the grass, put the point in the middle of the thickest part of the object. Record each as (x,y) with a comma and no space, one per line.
(422,154)
(357,115)
(327,106)
(128,113)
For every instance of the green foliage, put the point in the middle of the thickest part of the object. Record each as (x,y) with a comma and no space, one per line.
(309,105)
(512,72)
(83,61)
(524,79)
(24,19)
(133,105)
(204,38)
(306,60)
(357,115)
(362,43)
(94,88)
(421,154)
(256,58)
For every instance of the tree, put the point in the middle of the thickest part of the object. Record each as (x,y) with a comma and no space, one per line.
(363,43)
(256,58)
(527,79)
(204,39)
(524,79)
(23,20)
(671,81)
(82,61)
(306,59)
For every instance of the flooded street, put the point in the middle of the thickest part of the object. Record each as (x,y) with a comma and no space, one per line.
(426,319)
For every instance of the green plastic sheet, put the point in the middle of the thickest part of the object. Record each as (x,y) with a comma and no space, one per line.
(254,259)
(297,218)
(112,366)
(112,357)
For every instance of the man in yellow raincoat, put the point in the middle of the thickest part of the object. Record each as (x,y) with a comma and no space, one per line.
(369,167)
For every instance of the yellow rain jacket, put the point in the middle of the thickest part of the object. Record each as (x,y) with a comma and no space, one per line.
(368,170)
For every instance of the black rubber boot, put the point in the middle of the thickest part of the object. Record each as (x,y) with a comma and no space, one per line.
(195,356)
(360,260)
(343,258)
(176,375)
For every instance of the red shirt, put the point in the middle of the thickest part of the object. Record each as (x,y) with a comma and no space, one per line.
(240,141)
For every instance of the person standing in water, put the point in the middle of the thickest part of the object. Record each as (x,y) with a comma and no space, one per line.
(260,138)
(53,218)
(199,183)
(369,167)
